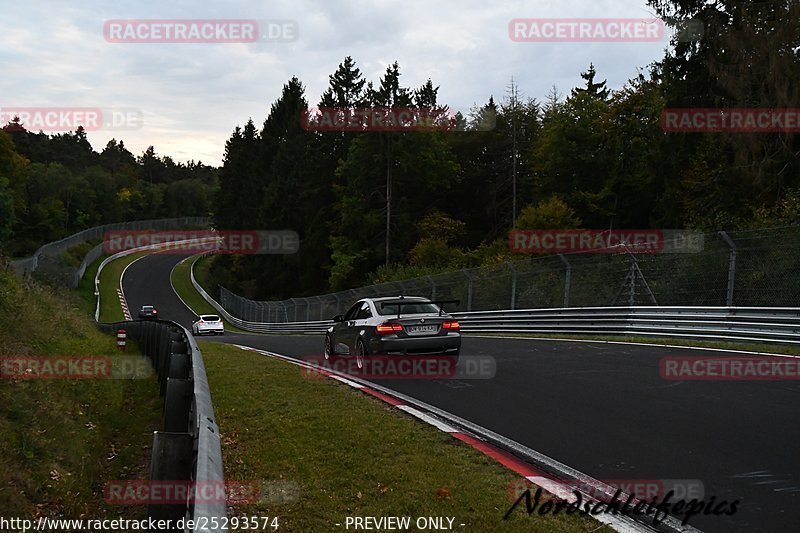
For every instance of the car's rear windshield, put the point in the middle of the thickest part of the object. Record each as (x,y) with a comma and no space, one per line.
(210,318)
(147,308)
(407,308)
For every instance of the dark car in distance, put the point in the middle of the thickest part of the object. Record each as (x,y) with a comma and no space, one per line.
(148,311)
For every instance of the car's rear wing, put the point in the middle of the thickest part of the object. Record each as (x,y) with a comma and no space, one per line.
(400,304)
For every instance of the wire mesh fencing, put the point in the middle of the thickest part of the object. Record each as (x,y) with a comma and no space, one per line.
(742,268)
(49,262)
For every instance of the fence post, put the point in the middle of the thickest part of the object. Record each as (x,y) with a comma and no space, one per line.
(433,287)
(567,280)
(731,267)
(468,274)
(513,284)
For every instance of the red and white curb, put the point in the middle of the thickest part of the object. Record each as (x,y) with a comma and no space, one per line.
(124,303)
(529,473)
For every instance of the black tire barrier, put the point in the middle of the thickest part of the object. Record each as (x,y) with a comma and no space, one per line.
(188,447)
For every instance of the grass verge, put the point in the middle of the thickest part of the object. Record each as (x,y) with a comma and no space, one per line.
(716,345)
(349,454)
(74,256)
(61,440)
(201,269)
(182,283)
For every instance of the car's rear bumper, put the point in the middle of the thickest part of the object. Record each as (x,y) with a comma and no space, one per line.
(415,345)
(210,329)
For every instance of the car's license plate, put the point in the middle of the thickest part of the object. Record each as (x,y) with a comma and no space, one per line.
(431,328)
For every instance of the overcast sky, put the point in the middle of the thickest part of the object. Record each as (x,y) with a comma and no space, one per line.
(191,96)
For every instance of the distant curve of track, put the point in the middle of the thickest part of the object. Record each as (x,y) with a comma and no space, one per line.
(600,408)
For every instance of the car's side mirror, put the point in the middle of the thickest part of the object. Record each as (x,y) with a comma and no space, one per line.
(338,318)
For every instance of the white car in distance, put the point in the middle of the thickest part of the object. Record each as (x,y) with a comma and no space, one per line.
(208,324)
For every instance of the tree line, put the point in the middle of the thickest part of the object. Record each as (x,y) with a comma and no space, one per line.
(54,185)
(593,158)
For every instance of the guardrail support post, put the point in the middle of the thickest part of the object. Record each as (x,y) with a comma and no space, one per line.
(731,267)
(567,278)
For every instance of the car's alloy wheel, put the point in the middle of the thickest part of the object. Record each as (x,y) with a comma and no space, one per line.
(360,353)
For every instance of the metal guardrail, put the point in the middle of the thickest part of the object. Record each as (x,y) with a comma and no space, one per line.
(739,324)
(188,448)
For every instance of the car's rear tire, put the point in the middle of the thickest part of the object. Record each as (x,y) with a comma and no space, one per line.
(361,353)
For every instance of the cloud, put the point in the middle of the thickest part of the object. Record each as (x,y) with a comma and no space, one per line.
(193,95)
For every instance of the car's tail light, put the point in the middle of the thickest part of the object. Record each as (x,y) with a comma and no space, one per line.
(155,312)
(201,322)
(452,325)
(388,327)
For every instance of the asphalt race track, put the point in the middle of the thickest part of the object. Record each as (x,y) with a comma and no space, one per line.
(600,408)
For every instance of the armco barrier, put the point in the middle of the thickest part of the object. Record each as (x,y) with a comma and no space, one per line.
(188,447)
(738,324)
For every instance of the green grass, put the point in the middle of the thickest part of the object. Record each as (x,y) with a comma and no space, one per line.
(201,269)
(61,440)
(74,256)
(717,345)
(349,454)
(182,283)
(85,289)
(110,308)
